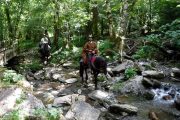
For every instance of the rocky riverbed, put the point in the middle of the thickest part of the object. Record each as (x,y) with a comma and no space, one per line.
(153,93)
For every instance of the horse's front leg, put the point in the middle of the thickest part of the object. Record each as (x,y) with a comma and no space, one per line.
(86,75)
(95,79)
(81,71)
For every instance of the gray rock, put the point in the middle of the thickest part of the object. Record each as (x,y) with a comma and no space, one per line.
(119,108)
(177,102)
(153,74)
(176,72)
(82,111)
(133,85)
(102,96)
(8,99)
(68,100)
(71,80)
(149,95)
(121,68)
(148,83)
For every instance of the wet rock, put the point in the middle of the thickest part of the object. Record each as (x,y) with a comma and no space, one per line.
(172,93)
(119,108)
(166,87)
(167,97)
(151,83)
(153,74)
(147,83)
(156,84)
(176,72)
(82,111)
(177,102)
(149,95)
(153,116)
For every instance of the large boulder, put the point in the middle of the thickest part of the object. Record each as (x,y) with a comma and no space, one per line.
(121,68)
(15,99)
(151,83)
(134,85)
(8,97)
(82,111)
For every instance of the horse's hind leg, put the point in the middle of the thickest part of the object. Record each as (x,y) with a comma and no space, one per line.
(81,71)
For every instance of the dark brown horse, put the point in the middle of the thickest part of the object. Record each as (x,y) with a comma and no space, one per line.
(97,65)
(45,52)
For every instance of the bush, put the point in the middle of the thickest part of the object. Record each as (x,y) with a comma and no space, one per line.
(145,52)
(34,66)
(12,76)
(25,45)
(130,72)
(106,49)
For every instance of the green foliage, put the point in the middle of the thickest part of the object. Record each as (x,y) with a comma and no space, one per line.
(11,76)
(78,41)
(51,114)
(106,49)
(145,52)
(21,99)
(25,45)
(168,11)
(33,66)
(172,32)
(14,115)
(67,54)
(101,78)
(130,72)
(117,86)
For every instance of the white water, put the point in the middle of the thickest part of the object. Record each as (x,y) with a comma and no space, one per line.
(166,90)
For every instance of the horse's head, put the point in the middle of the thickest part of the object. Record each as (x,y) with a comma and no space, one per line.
(99,64)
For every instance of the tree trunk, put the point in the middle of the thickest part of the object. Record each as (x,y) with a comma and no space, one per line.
(124,21)
(56,24)
(89,23)
(95,21)
(10,28)
(110,20)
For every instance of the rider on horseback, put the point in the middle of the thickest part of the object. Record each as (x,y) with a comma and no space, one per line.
(44,46)
(89,49)
(45,40)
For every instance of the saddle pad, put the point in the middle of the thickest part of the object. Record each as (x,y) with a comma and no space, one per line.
(93,59)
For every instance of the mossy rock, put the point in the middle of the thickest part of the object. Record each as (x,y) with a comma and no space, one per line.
(2,69)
